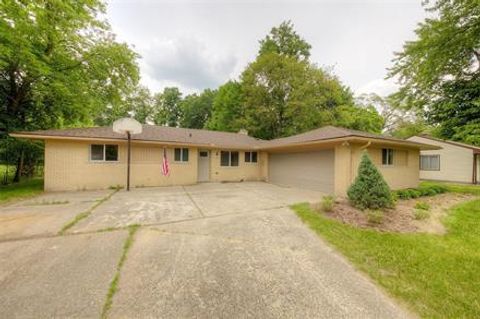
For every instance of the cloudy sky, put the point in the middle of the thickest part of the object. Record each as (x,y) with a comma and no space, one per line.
(201,44)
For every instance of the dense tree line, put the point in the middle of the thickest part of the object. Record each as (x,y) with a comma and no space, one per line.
(279,94)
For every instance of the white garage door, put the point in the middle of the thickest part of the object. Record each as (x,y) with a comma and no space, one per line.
(310,170)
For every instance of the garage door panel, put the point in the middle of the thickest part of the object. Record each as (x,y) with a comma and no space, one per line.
(311,170)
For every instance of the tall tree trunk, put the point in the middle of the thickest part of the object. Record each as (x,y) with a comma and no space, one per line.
(19,168)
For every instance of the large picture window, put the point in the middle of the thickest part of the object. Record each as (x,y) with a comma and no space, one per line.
(181,155)
(104,153)
(228,158)
(251,157)
(429,162)
(387,156)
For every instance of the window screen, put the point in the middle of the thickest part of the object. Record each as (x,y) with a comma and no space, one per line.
(102,152)
(111,152)
(184,154)
(229,158)
(234,159)
(250,157)
(96,152)
(387,156)
(429,162)
(178,154)
(224,158)
(181,155)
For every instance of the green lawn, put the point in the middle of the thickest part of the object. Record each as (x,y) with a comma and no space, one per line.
(438,276)
(24,189)
(457,188)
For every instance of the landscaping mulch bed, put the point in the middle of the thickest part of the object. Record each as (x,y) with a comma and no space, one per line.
(401,218)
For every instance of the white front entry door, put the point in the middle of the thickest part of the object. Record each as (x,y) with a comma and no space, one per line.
(203,165)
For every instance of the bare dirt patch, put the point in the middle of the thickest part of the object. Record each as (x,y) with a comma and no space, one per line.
(401,218)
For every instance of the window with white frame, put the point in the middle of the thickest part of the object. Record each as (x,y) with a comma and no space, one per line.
(430,162)
(104,153)
(228,158)
(181,155)
(251,157)
(387,156)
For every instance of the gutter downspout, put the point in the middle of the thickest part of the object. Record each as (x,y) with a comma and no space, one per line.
(366,145)
(474,175)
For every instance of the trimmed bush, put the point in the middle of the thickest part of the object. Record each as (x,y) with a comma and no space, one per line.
(375,216)
(422,205)
(327,203)
(420,214)
(369,190)
(409,193)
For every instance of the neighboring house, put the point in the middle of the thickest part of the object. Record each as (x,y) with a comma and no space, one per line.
(455,162)
(324,159)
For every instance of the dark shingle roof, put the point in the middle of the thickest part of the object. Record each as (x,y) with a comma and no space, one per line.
(159,133)
(212,138)
(464,145)
(327,133)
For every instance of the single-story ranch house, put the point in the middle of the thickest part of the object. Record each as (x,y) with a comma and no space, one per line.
(454,162)
(324,159)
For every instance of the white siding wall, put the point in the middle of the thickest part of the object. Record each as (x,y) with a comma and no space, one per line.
(456,163)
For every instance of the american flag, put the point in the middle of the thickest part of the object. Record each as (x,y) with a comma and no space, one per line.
(165,168)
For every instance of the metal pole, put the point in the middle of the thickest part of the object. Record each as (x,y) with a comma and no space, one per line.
(128,162)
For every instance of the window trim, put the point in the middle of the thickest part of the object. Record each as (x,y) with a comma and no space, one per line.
(230,159)
(104,159)
(429,170)
(250,158)
(182,149)
(388,150)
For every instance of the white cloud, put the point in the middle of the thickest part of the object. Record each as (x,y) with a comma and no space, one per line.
(381,87)
(186,62)
(195,44)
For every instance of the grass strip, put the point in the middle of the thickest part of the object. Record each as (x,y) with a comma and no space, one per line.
(22,190)
(84,214)
(437,276)
(114,283)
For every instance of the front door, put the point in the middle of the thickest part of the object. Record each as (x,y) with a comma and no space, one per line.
(203,165)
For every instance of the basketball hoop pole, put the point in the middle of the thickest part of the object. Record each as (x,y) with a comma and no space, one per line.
(128,160)
(127,126)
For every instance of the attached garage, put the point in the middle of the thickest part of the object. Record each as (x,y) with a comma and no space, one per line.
(311,170)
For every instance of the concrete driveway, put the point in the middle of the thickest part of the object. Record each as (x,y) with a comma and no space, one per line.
(208,250)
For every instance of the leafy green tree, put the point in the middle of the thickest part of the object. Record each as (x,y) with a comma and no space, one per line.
(359,118)
(458,110)
(439,71)
(141,105)
(197,109)
(284,96)
(59,65)
(168,107)
(408,129)
(284,40)
(227,108)
(390,112)
(369,190)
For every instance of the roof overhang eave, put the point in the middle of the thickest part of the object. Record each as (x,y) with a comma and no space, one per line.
(134,141)
(358,139)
